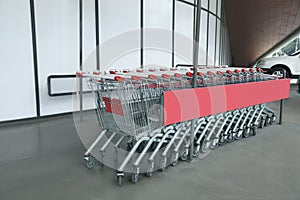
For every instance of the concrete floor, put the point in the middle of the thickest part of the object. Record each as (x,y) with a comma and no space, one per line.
(43,160)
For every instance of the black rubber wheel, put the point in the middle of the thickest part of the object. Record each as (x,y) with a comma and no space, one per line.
(149,173)
(90,162)
(254,130)
(174,163)
(205,146)
(236,136)
(213,145)
(273,119)
(120,180)
(261,122)
(134,177)
(246,132)
(267,121)
(278,71)
(230,137)
(184,156)
(222,140)
(195,152)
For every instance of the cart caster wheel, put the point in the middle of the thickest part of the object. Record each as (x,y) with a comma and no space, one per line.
(90,162)
(213,145)
(120,180)
(134,177)
(230,138)
(149,174)
(184,156)
(261,123)
(246,133)
(267,122)
(254,130)
(237,136)
(222,141)
(195,152)
(205,147)
(162,169)
(174,163)
(273,119)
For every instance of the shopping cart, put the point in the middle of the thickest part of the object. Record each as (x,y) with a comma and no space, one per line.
(136,111)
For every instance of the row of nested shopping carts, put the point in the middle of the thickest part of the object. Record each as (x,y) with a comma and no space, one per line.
(129,106)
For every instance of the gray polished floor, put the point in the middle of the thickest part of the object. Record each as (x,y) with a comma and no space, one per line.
(43,160)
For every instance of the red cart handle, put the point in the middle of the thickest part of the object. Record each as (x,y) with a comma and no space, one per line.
(258,69)
(96,72)
(219,73)
(228,72)
(80,73)
(136,78)
(119,78)
(112,71)
(200,74)
(151,76)
(190,74)
(166,76)
(251,70)
(210,73)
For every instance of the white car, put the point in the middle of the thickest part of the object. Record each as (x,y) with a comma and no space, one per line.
(276,65)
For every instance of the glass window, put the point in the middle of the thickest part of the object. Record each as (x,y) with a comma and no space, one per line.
(158,32)
(222,44)
(213,6)
(203,38)
(217,57)
(119,31)
(191,1)
(21,103)
(158,14)
(211,39)
(290,49)
(204,4)
(184,18)
(219,8)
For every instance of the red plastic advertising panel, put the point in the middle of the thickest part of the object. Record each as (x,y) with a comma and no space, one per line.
(183,105)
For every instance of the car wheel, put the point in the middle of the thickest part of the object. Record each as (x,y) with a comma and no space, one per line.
(278,71)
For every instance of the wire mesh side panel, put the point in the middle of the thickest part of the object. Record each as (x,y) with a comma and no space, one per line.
(139,99)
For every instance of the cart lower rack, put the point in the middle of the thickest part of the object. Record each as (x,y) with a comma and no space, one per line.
(148,117)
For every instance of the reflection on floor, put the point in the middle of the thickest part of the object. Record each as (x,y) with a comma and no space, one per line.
(43,160)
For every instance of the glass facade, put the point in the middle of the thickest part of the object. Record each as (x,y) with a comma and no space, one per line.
(214,39)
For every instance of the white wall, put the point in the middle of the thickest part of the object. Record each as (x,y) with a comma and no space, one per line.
(203,38)
(57,24)
(184,18)
(57,44)
(17,77)
(158,32)
(120,35)
(211,39)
